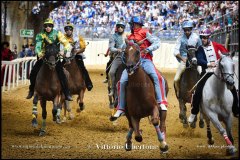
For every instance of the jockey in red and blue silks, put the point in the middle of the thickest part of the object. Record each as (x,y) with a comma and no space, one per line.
(148,45)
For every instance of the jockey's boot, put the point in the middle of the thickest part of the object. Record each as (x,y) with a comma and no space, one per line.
(119,113)
(86,77)
(235,107)
(63,81)
(33,76)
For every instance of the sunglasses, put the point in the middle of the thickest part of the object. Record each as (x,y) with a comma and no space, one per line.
(48,25)
(68,28)
(122,26)
(204,37)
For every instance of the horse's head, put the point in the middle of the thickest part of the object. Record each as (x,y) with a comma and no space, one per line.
(226,67)
(132,57)
(51,54)
(191,56)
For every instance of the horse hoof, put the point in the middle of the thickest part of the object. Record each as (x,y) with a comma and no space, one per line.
(138,138)
(64,119)
(58,121)
(111,106)
(201,124)
(164,149)
(185,125)
(54,118)
(34,123)
(42,133)
(193,125)
(78,110)
(211,141)
(128,146)
(82,106)
(71,117)
(112,118)
(231,151)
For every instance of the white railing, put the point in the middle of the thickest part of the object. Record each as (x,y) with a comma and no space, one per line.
(11,77)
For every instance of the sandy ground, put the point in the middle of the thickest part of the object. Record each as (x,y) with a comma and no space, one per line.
(92,135)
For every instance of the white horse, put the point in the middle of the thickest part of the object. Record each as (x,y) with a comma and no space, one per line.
(217,101)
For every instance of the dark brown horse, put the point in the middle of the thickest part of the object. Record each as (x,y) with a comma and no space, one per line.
(76,82)
(140,98)
(187,80)
(47,87)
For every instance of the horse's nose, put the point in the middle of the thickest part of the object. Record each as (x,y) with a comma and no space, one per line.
(194,61)
(230,82)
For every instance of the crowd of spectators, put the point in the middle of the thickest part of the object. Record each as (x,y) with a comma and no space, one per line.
(167,15)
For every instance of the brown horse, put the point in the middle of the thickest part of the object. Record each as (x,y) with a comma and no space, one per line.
(47,87)
(140,98)
(188,79)
(76,82)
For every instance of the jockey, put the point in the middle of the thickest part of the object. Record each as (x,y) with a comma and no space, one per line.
(51,36)
(207,56)
(79,55)
(147,46)
(180,51)
(116,46)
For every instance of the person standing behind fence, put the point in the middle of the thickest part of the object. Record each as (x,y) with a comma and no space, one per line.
(6,56)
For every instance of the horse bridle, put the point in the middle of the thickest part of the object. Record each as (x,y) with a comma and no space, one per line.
(136,66)
(223,73)
(190,61)
(52,65)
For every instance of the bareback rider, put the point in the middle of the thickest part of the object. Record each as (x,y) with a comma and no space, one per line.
(180,50)
(207,56)
(147,45)
(51,36)
(79,56)
(116,46)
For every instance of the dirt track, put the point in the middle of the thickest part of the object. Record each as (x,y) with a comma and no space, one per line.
(92,135)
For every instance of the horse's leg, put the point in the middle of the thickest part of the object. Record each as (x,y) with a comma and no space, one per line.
(44,116)
(128,144)
(228,123)
(135,124)
(34,112)
(155,122)
(214,119)
(201,122)
(163,115)
(182,114)
(56,111)
(69,109)
(209,133)
(81,104)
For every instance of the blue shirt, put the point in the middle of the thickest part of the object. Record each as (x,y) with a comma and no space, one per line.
(183,42)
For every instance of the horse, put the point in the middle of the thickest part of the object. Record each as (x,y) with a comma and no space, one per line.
(187,80)
(140,98)
(76,82)
(217,100)
(47,87)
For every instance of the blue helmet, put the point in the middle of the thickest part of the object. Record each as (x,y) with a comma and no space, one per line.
(121,23)
(187,24)
(137,19)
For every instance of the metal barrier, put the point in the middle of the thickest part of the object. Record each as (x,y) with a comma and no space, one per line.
(12,68)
